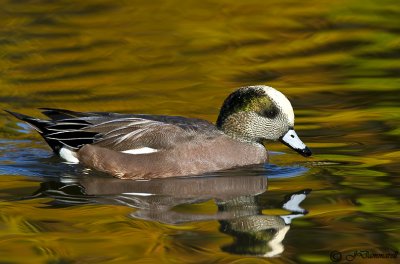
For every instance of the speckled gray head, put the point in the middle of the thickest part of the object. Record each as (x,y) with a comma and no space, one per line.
(258,113)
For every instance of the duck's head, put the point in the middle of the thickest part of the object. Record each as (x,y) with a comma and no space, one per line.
(258,113)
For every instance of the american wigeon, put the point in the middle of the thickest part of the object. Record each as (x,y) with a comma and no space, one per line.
(155,146)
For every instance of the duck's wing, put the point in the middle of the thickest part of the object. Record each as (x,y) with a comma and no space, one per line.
(185,123)
(190,124)
(129,133)
(118,132)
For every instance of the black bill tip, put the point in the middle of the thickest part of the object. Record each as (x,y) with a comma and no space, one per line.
(306,152)
(291,140)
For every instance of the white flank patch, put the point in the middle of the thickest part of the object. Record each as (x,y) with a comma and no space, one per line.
(68,155)
(144,150)
(281,101)
(139,194)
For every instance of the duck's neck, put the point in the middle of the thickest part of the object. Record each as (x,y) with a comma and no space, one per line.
(236,131)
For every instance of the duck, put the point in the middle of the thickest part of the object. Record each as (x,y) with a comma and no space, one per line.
(141,146)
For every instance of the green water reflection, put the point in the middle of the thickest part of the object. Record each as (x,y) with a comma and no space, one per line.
(337,61)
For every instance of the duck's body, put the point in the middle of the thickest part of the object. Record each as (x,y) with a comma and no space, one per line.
(146,146)
(197,156)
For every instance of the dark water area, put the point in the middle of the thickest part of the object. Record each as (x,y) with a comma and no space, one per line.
(337,62)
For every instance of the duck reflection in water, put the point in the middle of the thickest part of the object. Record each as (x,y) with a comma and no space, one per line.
(237,198)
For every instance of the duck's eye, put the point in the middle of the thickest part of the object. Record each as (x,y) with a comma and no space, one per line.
(270,112)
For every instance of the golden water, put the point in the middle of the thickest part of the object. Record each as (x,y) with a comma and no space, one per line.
(337,61)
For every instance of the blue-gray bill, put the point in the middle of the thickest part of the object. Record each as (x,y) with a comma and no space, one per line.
(291,140)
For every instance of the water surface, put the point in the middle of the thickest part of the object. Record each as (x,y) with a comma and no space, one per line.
(337,61)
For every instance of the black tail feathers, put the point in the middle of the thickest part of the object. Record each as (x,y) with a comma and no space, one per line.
(38,124)
(58,133)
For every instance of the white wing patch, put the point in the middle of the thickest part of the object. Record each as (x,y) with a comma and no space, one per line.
(138,151)
(69,155)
